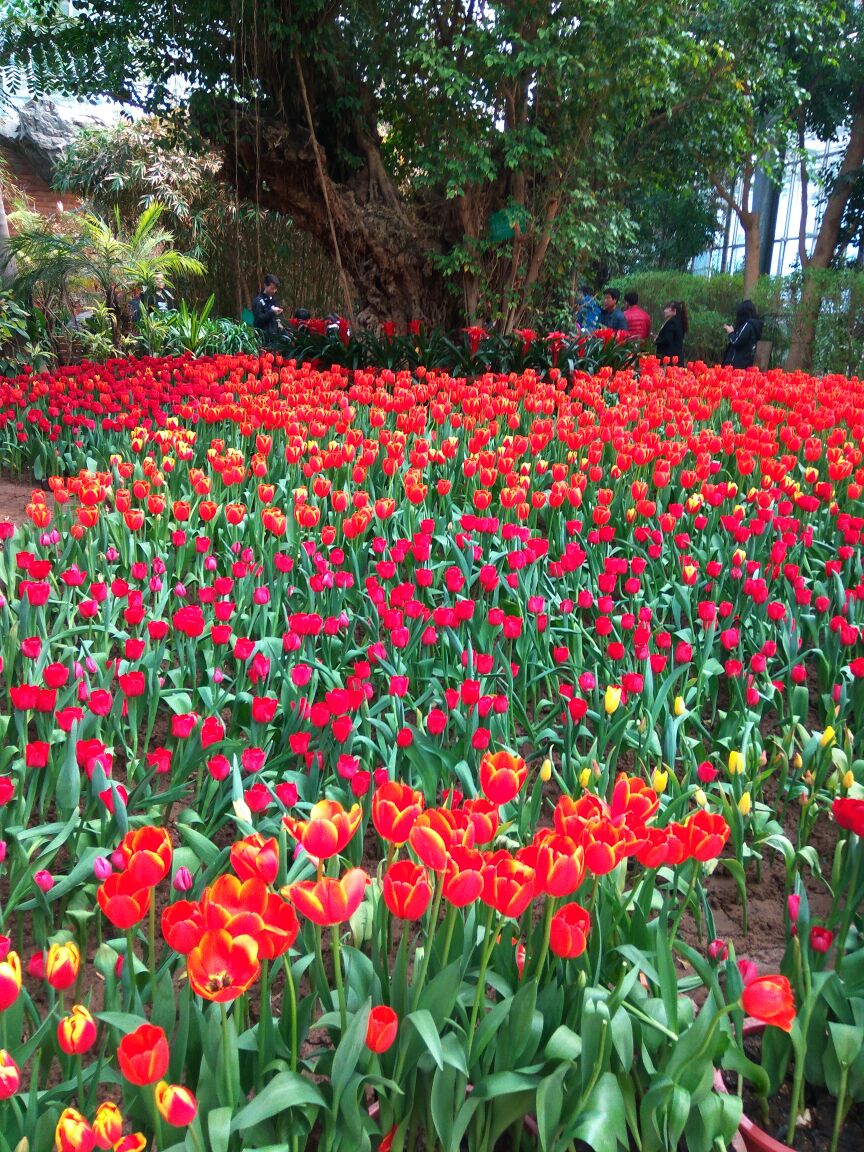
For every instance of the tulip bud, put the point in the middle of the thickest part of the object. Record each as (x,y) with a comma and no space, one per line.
(679,708)
(700,798)
(102,868)
(827,737)
(611,699)
(736,763)
(706,773)
(848,779)
(546,771)
(659,780)
(744,804)
(797,761)
(585,777)
(107,1125)
(176,1104)
(718,950)
(10,1075)
(62,965)
(242,810)
(182,881)
(44,881)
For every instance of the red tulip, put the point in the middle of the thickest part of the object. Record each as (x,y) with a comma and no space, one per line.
(771,1000)
(143,1055)
(382,1029)
(256,858)
(508,885)
(568,935)
(328,829)
(221,967)
(406,890)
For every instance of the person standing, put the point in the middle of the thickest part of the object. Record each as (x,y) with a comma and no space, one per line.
(670,339)
(638,320)
(587,310)
(265,311)
(161,300)
(743,335)
(611,315)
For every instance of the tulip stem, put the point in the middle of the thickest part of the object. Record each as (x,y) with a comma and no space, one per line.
(337,975)
(683,908)
(157,1120)
(292,1003)
(226,1057)
(430,937)
(485,954)
(548,913)
(152,951)
(129,969)
(263,1017)
(841,1107)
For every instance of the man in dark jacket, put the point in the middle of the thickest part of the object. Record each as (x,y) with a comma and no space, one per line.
(265,313)
(611,315)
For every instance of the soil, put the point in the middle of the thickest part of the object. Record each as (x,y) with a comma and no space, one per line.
(813,1133)
(15,494)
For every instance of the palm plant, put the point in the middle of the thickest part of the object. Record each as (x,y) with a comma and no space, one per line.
(81,258)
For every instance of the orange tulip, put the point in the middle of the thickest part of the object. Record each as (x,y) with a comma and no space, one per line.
(395,807)
(279,929)
(148,853)
(328,829)
(221,967)
(235,905)
(559,863)
(436,832)
(255,858)
(406,890)
(508,885)
(134,1142)
(502,775)
(328,901)
(463,880)
(123,900)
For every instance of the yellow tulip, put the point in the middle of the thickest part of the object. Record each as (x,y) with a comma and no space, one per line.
(612,699)
(736,763)
(797,762)
(585,777)
(848,779)
(546,771)
(659,780)
(679,707)
(700,798)
(827,737)
(744,804)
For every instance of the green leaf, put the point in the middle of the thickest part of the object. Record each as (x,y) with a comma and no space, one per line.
(602,1124)
(428,1031)
(219,1128)
(285,1091)
(348,1053)
(550,1102)
(847,1041)
(564,1044)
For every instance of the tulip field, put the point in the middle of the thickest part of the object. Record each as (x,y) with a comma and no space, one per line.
(372,742)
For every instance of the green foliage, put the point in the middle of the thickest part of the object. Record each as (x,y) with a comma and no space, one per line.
(132,165)
(192,330)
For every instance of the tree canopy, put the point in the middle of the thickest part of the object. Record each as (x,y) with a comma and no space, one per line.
(443,151)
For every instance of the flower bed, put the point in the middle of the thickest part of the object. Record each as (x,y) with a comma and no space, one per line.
(368,737)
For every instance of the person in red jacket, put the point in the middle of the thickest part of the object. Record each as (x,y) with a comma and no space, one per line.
(638,320)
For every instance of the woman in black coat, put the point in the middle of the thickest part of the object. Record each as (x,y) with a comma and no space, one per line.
(744,335)
(670,339)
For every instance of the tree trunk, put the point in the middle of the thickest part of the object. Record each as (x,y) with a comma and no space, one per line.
(752,244)
(803,334)
(8,269)
(387,246)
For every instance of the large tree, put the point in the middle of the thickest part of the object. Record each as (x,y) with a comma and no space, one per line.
(439,149)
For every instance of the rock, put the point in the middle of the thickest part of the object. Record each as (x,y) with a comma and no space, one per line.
(46,127)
